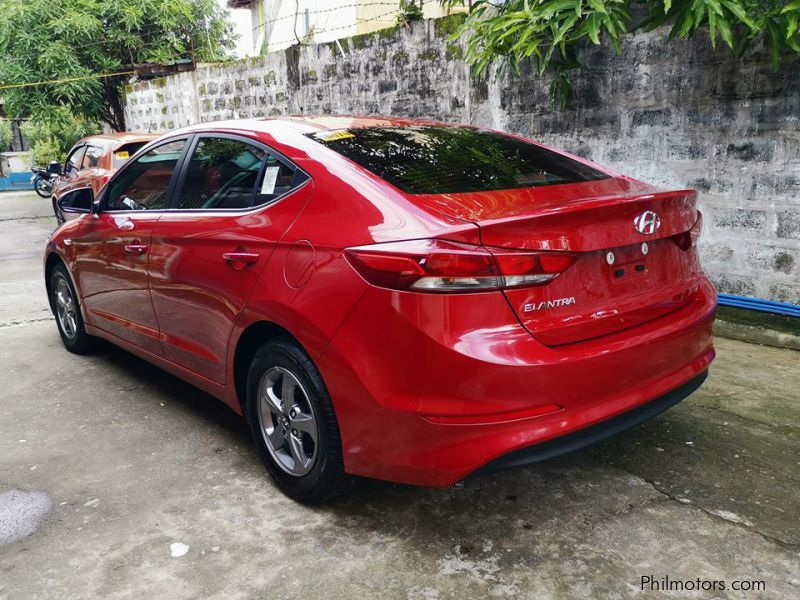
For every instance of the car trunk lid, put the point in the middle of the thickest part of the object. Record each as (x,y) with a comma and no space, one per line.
(622,275)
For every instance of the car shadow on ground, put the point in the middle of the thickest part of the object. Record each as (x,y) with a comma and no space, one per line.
(690,456)
(215,413)
(193,400)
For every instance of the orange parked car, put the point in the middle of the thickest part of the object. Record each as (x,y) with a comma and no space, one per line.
(91,162)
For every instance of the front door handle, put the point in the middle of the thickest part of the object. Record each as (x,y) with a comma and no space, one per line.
(239,260)
(137,248)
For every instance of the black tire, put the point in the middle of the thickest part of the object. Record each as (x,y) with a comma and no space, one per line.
(326,479)
(73,336)
(40,186)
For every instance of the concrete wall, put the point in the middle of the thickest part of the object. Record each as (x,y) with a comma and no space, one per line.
(673,113)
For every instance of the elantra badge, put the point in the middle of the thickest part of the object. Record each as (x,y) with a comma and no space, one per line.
(647,223)
(557,303)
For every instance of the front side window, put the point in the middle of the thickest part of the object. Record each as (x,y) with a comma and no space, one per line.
(225,173)
(447,160)
(143,185)
(74,160)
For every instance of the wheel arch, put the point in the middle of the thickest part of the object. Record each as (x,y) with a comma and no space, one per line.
(53,260)
(252,338)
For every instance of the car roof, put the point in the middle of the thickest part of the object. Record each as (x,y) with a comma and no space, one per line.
(121,137)
(333,122)
(304,124)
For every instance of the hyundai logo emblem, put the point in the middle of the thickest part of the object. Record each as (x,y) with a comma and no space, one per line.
(647,223)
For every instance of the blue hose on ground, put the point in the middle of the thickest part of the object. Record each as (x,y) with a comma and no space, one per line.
(767,306)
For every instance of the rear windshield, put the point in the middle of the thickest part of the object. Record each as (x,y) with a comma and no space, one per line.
(124,152)
(447,160)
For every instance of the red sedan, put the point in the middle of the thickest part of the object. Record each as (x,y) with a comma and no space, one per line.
(392,298)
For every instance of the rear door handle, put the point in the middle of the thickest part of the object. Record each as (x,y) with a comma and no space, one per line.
(239,260)
(137,248)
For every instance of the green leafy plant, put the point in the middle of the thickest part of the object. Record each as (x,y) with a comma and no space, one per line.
(548,33)
(410,11)
(51,134)
(5,135)
(46,150)
(219,152)
(77,40)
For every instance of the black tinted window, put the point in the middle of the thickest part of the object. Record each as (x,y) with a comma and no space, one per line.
(227,174)
(222,173)
(144,184)
(443,160)
(279,178)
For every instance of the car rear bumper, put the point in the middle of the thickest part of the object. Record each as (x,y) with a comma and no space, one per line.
(430,404)
(598,432)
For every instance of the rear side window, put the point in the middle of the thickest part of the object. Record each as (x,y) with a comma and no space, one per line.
(225,173)
(92,157)
(221,173)
(447,160)
(279,179)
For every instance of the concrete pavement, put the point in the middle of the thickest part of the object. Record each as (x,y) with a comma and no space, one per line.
(119,481)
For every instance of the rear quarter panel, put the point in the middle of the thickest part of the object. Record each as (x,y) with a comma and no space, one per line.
(308,287)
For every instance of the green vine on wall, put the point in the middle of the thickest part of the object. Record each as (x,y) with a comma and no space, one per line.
(548,32)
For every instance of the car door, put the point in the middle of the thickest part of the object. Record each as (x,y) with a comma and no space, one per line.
(114,246)
(234,201)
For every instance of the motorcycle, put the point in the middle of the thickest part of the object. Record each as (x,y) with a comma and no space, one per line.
(43,179)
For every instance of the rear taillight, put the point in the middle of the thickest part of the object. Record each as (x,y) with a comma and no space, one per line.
(443,266)
(688,239)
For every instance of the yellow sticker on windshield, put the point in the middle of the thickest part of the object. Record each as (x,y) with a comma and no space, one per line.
(122,154)
(330,136)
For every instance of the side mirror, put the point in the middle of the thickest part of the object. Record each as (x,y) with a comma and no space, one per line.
(76,202)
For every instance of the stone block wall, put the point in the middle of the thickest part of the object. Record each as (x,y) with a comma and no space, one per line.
(672,113)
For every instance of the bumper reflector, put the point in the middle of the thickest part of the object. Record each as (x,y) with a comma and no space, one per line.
(490,419)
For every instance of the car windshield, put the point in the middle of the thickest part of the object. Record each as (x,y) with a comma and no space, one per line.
(446,160)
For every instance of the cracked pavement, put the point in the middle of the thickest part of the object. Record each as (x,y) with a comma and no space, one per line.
(108,467)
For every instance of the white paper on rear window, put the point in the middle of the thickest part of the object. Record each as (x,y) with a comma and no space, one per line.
(270,177)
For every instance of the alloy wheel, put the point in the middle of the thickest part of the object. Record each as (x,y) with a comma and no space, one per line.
(66,309)
(287,421)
